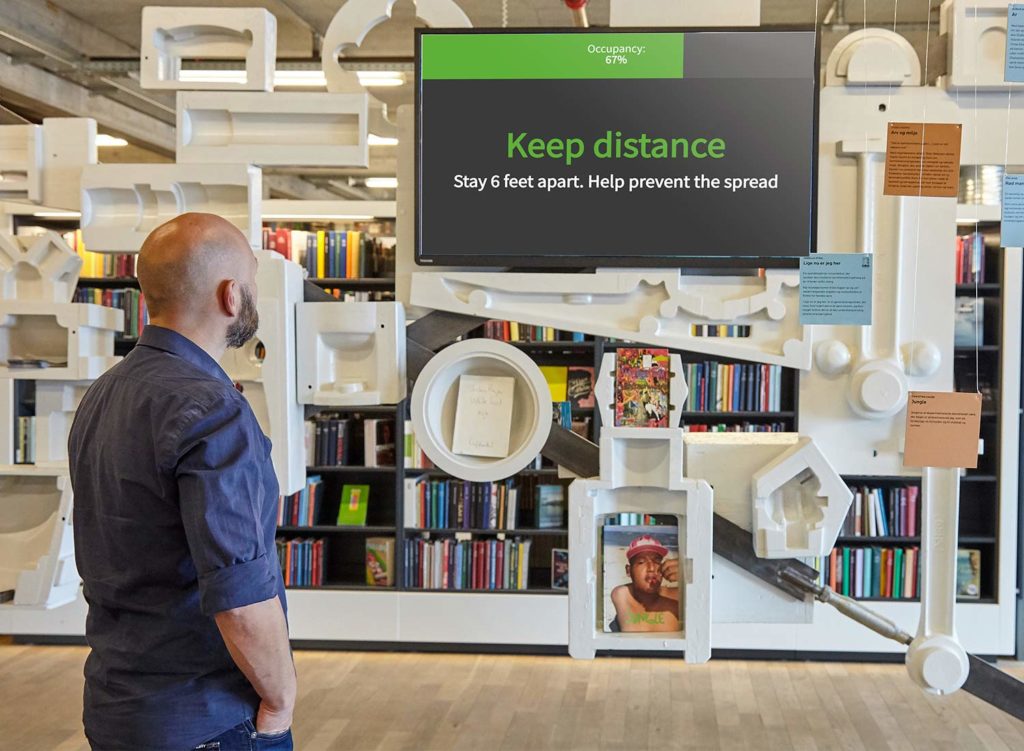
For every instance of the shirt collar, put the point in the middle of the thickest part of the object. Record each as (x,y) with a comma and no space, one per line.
(171,341)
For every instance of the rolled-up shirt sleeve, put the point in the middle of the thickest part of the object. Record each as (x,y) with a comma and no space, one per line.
(219,486)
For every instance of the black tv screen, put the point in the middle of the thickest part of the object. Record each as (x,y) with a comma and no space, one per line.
(592,148)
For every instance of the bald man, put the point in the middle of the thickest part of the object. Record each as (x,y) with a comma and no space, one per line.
(174,520)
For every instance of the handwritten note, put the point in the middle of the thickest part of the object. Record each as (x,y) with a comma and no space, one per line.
(1015,43)
(942,429)
(835,289)
(922,159)
(1012,227)
(483,416)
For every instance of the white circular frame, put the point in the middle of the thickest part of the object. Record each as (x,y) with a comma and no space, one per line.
(434,398)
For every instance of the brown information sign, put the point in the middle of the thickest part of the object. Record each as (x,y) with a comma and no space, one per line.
(922,159)
(942,429)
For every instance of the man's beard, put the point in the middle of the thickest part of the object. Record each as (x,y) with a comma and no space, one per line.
(244,327)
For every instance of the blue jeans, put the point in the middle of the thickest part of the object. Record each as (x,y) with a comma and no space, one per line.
(243,737)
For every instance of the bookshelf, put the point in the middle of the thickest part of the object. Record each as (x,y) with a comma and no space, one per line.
(346,610)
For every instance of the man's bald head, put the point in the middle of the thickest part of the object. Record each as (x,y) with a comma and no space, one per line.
(183,263)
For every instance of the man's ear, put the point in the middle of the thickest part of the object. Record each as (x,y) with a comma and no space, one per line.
(230,295)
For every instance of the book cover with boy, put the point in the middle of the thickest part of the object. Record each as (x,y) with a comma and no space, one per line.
(641,388)
(641,578)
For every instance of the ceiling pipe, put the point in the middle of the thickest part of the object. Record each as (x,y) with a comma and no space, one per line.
(579,12)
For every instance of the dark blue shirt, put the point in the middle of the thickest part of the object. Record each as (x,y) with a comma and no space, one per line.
(174,521)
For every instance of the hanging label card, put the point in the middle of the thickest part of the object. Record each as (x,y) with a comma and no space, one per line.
(943,429)
(923,159)
(835,289)
(483,416)
(1015,43)
(1011,228)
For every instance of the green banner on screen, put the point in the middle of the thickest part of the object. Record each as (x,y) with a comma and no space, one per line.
(552,56)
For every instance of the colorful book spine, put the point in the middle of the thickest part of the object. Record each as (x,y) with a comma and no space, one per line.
(883,512)
(467,564)
(873,572)
(718,387)
(302,561)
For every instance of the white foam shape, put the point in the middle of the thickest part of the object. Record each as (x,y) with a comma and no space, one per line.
(357,18)
(351,353)
(69,145)
(435,396)
(936,660)
(975,33)
(80,334)
(873,57)
(36,545)
(799,503)
(656,307)
(42,268)
(589,502)
(123,203)
(269,384)
(56,404)
(273,128)
(172,36)
(21,162)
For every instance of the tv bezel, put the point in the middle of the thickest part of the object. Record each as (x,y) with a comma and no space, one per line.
(575,262)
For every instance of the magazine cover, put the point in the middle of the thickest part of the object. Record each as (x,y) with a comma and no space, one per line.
(641,388)
(641,578)
(579,387)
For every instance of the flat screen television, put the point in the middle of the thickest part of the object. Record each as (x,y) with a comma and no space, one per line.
(584,148)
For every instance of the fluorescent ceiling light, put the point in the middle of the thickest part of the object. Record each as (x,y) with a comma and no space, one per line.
(106,140)
(294,78)
(380,77)
(374,140)
(303,217)
(58,214)
(382,182)
(285,78)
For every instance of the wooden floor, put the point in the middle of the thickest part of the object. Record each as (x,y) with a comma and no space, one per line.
(364,701)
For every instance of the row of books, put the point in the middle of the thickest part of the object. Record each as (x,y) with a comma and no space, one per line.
(412,454)
(717,387)
(719,330)
(450,563)
(334,254)
(457,504)
(25,440)
(970,259)
(888,573)
(512,331)
(741,427)
(342,295)
(332,441)
(129,300)
(302,509)
(883,512)
(302,561)
(101,265)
